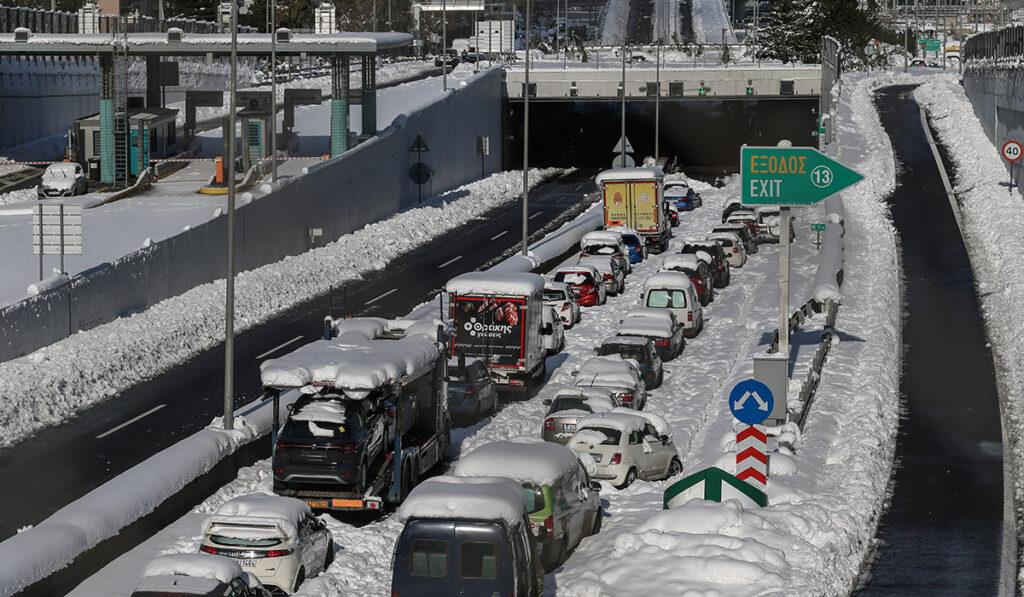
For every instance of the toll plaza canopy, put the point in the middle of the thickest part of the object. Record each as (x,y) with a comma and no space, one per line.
(203,44)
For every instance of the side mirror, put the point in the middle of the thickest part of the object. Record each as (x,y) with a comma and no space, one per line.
(574,373)
(664,439)
(546,402)
(596,487)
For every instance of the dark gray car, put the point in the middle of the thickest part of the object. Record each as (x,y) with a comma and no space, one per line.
(639,349)
(471,391)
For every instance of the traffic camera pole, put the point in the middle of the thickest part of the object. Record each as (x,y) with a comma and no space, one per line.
(229,277)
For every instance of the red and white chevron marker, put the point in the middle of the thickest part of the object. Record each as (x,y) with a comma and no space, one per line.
(751,457)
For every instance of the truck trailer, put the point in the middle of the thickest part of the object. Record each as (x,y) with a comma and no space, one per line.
(634,197)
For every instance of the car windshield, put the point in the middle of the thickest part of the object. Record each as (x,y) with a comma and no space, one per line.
(236,542)
(534,498)
(675,299)
(554,295)
(611,436)
(626,351)
(569,403)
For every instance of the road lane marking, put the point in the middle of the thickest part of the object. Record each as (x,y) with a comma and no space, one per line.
(292,341)
(499,235)
(449,262)
(129,422)
(534,215)
(374,300)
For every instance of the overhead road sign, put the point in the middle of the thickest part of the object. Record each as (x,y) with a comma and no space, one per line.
(751,401)
(791,176)
(930,45)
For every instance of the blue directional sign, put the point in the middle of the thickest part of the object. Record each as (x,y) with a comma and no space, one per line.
(751,401)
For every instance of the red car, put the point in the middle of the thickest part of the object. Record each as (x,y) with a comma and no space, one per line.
(696,270)
(586,283)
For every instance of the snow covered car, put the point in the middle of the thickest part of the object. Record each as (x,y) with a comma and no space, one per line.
(62,179)
(768,227)
(554,332)
(749,242)
(329,440)
(674,291)
(718,261)
(673,214)
(560,296)
(641,350)
(747,218)
(586,283)
(678,193)
(564,505)
(633,241)
(195,574)
(276,538)
(731,206)
(622,376)
(603,242)
(612,273)
(466,536)
(733,245)
(471,391)
(570,405)
(627,445)
(697,270)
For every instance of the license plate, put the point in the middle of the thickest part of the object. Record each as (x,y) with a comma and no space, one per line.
(595,456)
(317,503)
(247,563)
(569,426)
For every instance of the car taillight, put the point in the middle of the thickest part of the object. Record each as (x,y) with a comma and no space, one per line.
(549,525)
(280,445)
(625,396)
(549,424)
(468,393)
(735,249)
(663,342)
(276,553)
(689,316)
(616,459)
(347,448)
(607,276)
(208,549)
(515,382)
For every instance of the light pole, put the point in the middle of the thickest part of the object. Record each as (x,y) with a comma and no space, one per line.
(273,94)
(526,135)
(229,277)
(657,98)
(444,45)
(622,142)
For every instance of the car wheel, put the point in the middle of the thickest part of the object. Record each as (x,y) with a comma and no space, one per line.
(299,579)
(597,521)
(674,468)
(329,558)
(630,478)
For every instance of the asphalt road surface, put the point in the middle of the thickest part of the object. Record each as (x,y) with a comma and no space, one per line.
(941,535)
(60,464)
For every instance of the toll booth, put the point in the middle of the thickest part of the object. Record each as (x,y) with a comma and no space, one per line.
(152,131)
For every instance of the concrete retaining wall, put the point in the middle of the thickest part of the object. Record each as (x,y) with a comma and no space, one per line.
(366,184)
(997,94)
(42,97)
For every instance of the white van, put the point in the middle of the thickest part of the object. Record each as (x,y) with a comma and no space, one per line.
(673,290)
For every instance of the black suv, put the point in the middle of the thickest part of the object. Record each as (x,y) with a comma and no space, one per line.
(720,270)
(329,441)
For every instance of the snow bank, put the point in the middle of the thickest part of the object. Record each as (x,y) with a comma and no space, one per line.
(478,498)
(614,23)
(536,463)
(496,283)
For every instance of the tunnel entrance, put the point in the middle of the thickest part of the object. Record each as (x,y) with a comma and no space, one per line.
(702,136)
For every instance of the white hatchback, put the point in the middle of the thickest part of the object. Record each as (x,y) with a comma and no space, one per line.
(554,331)
(560,297)
(627,445)
(733,246)
(275,538)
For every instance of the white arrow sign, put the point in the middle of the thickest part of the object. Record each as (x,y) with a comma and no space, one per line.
(761,404)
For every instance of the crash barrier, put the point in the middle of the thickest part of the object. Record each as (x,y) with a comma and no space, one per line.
(992,79)
(57,21)
(338,196)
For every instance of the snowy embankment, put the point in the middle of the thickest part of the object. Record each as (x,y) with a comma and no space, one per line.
(992,218)
(95,365)
(616,19)
(709,19)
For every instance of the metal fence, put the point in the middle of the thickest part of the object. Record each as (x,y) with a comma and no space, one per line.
(48,21)
(1007,42)
(831,69)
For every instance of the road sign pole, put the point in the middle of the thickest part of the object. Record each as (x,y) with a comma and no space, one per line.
(62,235)
(784,282)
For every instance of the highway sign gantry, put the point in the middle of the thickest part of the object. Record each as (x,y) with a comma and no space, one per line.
(751,401)
(791,176)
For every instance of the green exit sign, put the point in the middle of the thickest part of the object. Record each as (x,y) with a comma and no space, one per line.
(930,45)
(817,227)
(791,176)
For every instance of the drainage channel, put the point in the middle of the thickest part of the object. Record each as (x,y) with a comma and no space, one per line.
(942,533)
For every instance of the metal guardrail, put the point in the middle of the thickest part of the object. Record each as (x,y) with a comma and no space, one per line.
(1007,42)
(810,385)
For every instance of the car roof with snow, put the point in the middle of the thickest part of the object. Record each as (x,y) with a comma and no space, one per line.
(198,572)
(258,514)
(729,236)
(602,263)
(652,313)
(645,327)
(740,214)
(553,285)
(629,174)
(471,498)
(683,260)
(354,365)
(524,460)
(624,230)
(579,267)
(628,340)
(61,168)
(496,283)
(625,419)
(597,371)
(601,238)
(669,279)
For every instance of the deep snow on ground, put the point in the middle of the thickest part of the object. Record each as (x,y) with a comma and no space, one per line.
(95,365)
(992,217)
(709,18)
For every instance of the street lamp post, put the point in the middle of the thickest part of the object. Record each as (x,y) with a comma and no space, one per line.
(273,94)
(622,146)
(444,45)
(526,136)
(657,99)
(229,278)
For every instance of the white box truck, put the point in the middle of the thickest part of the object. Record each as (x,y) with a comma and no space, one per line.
(635,197)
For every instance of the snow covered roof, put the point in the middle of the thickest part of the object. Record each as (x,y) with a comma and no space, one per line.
(614,419)
(580,267)
(324,411)
(679,260)
(648,313)
(629,340)
(667,280)
(659,422)
(196,565)
(473,498)
(602,263)
(645,327)
(61,169)
(600,238)
(356,369)
(726,236)
(368,327)
(610,369)
(598,399)
(258,515)
(536,463)
(552,285)
(629,174)
(623,230)
(494,283)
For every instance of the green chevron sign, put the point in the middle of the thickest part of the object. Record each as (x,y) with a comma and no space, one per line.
(791,176)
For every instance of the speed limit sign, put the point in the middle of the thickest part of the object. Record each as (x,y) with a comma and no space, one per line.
(1012,151)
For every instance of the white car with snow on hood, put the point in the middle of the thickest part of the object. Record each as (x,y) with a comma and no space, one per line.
(554,331)
(606,242)
(561,297)
(674,291)
(275,538)
(196,574)
(733,246)
(62,179)
(627,445)
(622,376)
(569,406)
